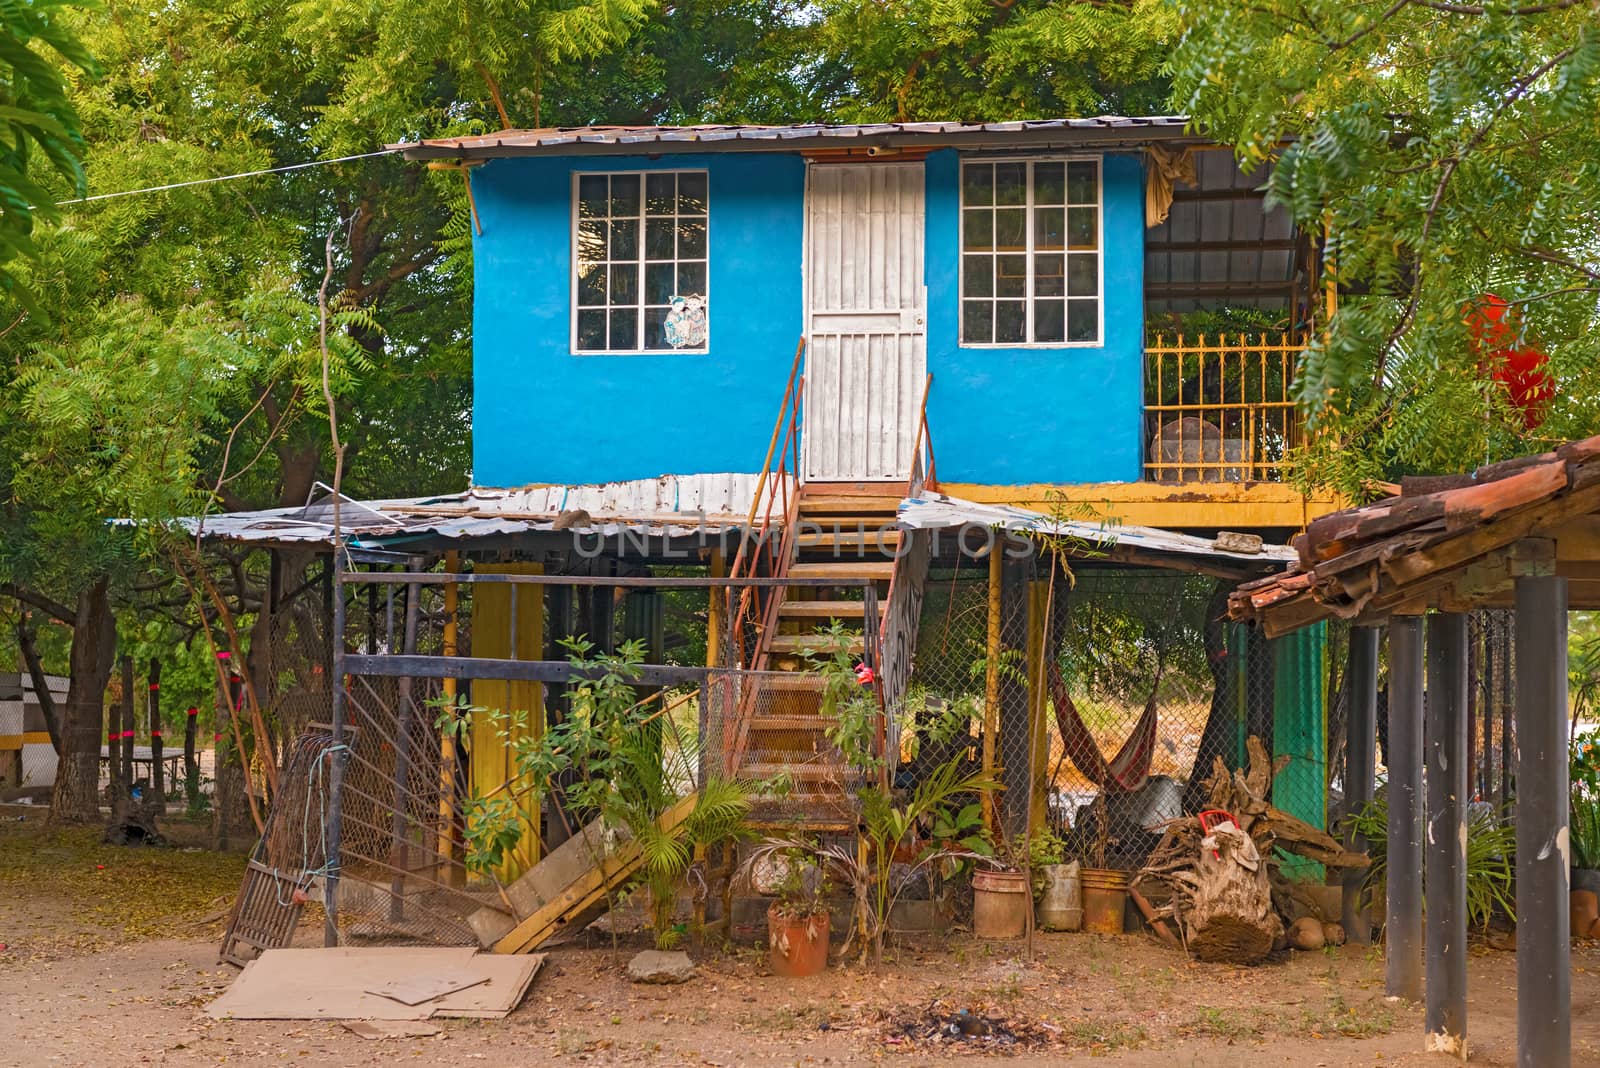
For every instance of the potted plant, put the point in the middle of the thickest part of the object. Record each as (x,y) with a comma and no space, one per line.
(1584,813)
(797,923)
(1057,886)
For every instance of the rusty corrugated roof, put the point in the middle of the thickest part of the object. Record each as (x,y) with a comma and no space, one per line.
(1416,550)
(569,140)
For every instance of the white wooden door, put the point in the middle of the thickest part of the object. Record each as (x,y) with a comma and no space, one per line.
(866,320)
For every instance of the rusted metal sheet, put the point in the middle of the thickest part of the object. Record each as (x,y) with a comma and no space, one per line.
(706,138)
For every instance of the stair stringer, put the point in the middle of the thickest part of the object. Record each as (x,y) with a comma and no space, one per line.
(898,632)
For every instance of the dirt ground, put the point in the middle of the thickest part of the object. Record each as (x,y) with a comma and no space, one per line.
(110,957)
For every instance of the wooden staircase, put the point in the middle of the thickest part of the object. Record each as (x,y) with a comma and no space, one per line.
(843,532)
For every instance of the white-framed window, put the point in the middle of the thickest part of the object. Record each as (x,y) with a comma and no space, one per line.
(639,240)
(1031,252)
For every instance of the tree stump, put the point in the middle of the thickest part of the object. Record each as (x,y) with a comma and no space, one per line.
(1232,919)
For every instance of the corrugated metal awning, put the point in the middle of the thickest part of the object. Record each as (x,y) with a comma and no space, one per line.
(601,140)
(671,506)
(1127,543)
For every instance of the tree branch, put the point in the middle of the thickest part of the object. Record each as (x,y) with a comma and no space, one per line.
(41,684)
(55,609)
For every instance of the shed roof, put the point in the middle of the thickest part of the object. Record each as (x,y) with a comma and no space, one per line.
(614,140)
(1451,542)
(1129,544)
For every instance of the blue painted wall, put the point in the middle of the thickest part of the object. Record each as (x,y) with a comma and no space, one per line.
(1011,416)
(998,416)
(541,414)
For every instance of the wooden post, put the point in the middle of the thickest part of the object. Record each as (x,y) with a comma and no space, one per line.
(191,759)
(1446,888)
(1544,965)
(158,779)
(114,785)
(1360,756)
(125,739)
(1039,593)
(991,677)
(1403,955)
(712,735)
(399,854)
(449,756)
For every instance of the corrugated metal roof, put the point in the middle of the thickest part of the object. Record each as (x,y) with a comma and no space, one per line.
(672,506)
(938,512)
(611,139)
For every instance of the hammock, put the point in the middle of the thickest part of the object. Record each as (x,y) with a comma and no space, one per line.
(1128,770)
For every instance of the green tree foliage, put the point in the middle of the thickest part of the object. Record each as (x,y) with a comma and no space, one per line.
(38,119)
(986,60)
(1452,150)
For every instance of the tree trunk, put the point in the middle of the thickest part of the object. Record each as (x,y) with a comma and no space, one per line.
(94,644)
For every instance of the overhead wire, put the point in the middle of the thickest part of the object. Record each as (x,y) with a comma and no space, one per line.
(226,177)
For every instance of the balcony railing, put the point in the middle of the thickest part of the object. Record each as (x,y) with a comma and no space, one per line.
(1219,408)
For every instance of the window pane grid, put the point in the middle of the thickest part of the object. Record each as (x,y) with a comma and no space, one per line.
(1030,251)
(640,240)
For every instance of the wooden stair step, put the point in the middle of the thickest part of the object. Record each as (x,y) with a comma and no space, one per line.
(886,520)
(849,505)
(881,540)
(883,488)
(807,772)
(810,643)
(790,723)
(792,682)
(844,570)
(840,610)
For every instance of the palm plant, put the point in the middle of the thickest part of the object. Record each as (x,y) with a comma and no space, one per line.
(1491,860)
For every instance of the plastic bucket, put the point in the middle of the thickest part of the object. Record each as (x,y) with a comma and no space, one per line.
(1000,904)
(1105,896)
(1061,903)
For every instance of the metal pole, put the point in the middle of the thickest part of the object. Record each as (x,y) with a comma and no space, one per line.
(1445,1012)
(335,757)
(1360,754)
(1404,907)
(1544,974)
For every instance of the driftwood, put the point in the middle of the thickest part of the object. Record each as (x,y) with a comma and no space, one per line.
(1223,888)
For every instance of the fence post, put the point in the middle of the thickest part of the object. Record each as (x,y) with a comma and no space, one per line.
(336,762)
(405,712)
(1446,735)
(1403,957)
(1544,971)
(158,779)
(1360,757)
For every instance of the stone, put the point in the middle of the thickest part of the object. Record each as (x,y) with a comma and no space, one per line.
(1306,933)
(1231,541)
(656,966)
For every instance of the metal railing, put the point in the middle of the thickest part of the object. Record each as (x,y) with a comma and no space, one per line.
(1220,408)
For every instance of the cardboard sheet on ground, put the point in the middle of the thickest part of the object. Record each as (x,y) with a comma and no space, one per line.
(337,984)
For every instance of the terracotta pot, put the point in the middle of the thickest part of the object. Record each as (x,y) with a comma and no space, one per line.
(1105,898)
(1583,910)
(797,945)
(1000,904)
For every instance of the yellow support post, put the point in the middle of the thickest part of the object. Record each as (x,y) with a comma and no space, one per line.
(1038,719)
(449,840)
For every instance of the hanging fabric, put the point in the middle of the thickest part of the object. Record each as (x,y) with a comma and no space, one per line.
(1123,773)
(1164,168)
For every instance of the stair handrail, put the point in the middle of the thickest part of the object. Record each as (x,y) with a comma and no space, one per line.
(924,473)
(747,560)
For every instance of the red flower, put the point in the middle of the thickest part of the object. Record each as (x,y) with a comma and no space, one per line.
(864,674)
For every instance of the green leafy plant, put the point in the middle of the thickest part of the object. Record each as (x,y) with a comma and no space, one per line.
(1584,811)
(612,760)
(887,829)
(1491,860)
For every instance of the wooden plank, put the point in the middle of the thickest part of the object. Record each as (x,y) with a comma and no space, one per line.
(810,643)
(478,667)
(840,610)
(844,571)
(590,890)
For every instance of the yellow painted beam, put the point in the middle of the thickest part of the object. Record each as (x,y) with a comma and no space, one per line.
(1198,505)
